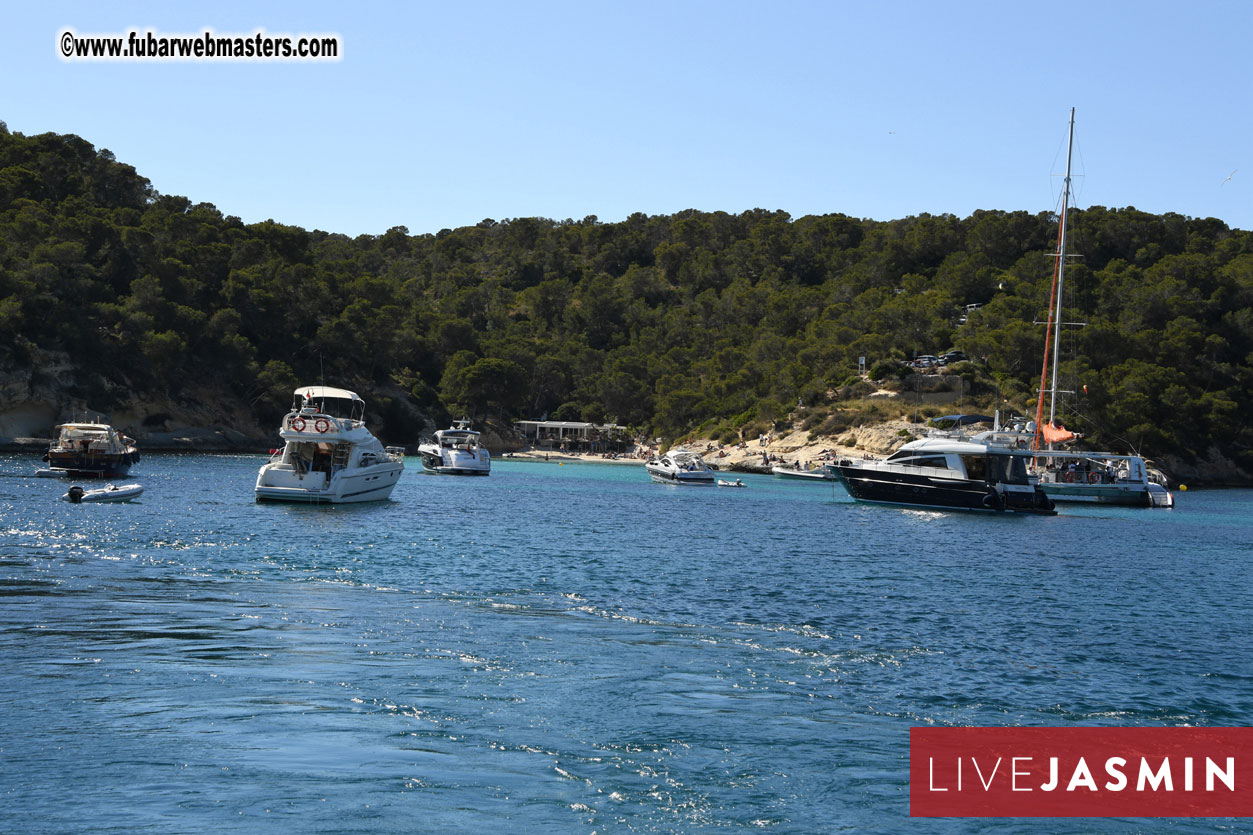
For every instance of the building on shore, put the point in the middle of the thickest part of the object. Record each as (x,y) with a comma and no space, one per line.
(571,436)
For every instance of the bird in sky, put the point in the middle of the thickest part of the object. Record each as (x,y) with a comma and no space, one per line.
(1229,176)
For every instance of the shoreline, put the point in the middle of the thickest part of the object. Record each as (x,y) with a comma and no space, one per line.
(792,448)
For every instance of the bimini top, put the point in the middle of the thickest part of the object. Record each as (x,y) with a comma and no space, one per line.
(321,392)
(86,427)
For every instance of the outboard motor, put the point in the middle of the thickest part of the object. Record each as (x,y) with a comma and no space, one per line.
(76,494)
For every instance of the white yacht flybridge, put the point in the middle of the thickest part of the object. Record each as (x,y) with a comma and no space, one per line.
(328,454)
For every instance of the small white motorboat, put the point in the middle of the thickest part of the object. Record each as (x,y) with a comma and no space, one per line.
(455,451)
(736,483)
(825,473)
(48,472)
(680,467)
(108,493)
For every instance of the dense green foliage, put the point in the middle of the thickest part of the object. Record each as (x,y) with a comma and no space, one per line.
(663,323)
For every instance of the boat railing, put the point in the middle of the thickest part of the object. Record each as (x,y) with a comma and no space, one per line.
(313,424)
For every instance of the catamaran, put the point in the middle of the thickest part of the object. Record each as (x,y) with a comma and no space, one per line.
(1071,475)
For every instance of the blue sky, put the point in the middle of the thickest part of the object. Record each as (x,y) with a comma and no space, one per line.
(441,115)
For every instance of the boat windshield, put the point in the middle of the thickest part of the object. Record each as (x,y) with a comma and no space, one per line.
(336,407)
(1008,469)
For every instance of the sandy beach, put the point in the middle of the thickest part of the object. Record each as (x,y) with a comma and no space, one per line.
(793,449)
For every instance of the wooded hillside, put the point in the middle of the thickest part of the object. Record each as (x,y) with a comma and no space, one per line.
(663,323)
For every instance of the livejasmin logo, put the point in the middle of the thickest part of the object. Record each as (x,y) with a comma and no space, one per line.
(1081,772)
(1081,775)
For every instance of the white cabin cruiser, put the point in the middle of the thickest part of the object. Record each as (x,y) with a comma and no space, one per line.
(91,449)
(680,467)
(328,454)
(823,473)
(455,451)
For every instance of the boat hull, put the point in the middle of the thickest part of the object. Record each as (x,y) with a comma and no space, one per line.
(820,474)
(367,484)
(689,479)
(906,489)
(453,471)
(1097,494)
(1130,495)
(436,466)
(461,463)
(92,466)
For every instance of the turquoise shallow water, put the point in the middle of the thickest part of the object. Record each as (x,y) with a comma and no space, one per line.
(574,648)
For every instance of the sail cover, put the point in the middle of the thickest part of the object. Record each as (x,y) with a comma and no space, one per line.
(1056,433)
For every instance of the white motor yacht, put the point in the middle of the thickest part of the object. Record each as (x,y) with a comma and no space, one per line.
(822,473)
(680,467)
(455,451)
(328,454)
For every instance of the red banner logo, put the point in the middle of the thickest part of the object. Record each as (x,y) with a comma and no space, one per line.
(1080,772)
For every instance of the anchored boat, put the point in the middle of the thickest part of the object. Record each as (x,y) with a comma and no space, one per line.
(680,467)
(823,473)
(947,474)
(455,451)
(328,454)
(91,449)
(109,493)
(1076,476)
(1069,475)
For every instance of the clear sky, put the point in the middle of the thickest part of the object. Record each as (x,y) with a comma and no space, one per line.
(441,115)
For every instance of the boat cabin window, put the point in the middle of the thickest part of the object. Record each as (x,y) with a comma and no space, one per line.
(911,459)
(976,467)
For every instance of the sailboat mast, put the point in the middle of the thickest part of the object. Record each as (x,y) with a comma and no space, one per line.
(1061,268)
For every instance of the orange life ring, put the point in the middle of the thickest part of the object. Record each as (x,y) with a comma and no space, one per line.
(322,424)
(298,424)
(1070,476)
(1093,478)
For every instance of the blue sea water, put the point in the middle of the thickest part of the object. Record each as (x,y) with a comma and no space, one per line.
(572,648)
